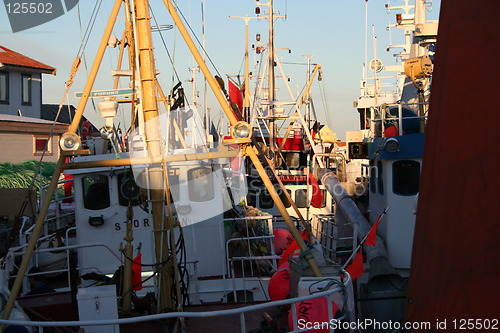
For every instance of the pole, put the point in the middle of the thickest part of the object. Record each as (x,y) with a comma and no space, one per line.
(282,209)
(364,239)
(246,96)
(152,132)
(271,82)
(127,267)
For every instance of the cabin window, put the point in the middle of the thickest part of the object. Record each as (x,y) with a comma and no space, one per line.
(301,198)
(380,179)
(4,87)
(405,177)
(373,177)
(323,202)
(252,198)
(173,183)
(265,199)
(128,191)
(40,143)
(201,184)
(293,160)
(95,192)
(284,198)
(26,89)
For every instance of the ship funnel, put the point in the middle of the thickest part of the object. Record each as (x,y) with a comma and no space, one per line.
(376,255)
(380,267)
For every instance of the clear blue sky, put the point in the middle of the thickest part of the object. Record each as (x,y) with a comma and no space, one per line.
(331,30)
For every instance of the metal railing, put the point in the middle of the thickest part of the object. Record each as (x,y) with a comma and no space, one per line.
(241,311)
(249,255)
(399,118)
(334,239)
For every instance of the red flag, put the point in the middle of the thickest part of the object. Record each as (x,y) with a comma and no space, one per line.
(371,239)
(235,95)
(356,268)
(317,194)
(136,272)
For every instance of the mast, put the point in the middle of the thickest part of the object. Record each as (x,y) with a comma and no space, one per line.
(152,134)
(246,95)
(271,82)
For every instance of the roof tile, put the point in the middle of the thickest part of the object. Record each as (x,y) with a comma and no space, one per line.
(9,57)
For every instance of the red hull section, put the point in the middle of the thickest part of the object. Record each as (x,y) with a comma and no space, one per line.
(455,262)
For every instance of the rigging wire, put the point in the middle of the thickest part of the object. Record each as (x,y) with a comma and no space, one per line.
(196,38)
(90,26)
(169,54)
(326,106)
(86,36)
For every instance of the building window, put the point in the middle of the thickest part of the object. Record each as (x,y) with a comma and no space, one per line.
(26,89)
(4,87)
(406,177)
(41,144)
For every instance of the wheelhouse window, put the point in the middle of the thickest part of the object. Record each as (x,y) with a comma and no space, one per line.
(252,198)
(41,144)
(26,89)
(173,183)
(95,192)
(380,179)
(4,88)
(201,184)
(323,202)
(128,191)
(284,198)
(405,177)
(373,177)
(265,199)
(301,198)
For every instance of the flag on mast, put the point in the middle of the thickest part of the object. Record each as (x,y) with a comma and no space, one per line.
(356,268)
(235,95)
(137,272)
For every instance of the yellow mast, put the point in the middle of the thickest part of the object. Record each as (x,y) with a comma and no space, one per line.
(152,134)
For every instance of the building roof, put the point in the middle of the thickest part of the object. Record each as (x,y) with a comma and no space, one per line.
(9,58)
(49,112)
(20,119)
(11,123)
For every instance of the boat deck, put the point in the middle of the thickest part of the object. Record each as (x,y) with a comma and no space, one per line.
(229,323)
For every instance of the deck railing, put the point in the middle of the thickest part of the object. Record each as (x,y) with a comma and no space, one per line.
(241,311)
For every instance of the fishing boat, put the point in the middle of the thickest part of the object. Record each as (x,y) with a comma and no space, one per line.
(163,231)
(173,231)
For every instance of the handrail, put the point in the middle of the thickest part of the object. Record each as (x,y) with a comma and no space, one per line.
(240,311)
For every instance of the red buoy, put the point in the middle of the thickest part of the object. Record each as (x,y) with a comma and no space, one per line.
(313,314)
(282,239)
(279,284)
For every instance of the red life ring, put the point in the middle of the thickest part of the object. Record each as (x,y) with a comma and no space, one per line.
(86,128)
